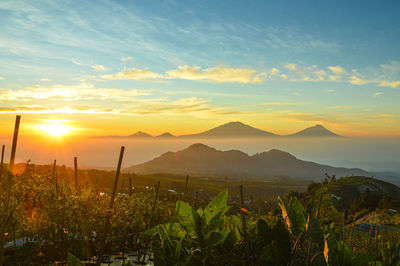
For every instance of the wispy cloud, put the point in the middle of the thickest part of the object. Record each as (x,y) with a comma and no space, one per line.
(377,94)
(391,84)
(358,81)
(135,74)
(76,62)
(126,59)
(83,91)
(99,67)
(338,70)
(219,74)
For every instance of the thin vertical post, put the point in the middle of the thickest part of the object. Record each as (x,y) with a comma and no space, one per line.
(121,156)
(130,186)
(54,169)
(195,200)
(186,185)
(110,206)
(122,185)
(2,161)
(246,242)
(54,176)
(14,143)
(156,197)
(76,173)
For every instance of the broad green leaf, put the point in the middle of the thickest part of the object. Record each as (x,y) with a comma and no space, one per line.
(189,219)
(315,231)
(216,222)
(73,261)
(218,204)
(174,230)
(275,240)
(293,214)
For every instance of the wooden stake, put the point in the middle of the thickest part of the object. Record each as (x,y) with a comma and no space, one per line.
(130,186)
(121,155)
(2,161)
(110,206)
(14,143)
(54,168)
(186,185)
(195,200)
(156,197)
(76,173)
(122,185)
(246,242)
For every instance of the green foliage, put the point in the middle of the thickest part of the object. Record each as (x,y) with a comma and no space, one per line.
(73,261)
(390,255)
(198,238)
(273,243)
(293,214)
(338,253)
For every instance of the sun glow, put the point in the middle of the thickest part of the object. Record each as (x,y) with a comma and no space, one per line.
(55,128)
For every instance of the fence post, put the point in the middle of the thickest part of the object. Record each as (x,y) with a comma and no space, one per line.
(186,185)
(130,186)
(2,161)
(110,207)
(76,173)
(14,145)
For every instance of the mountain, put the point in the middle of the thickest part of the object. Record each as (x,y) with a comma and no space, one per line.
(165,135)
(232,130)
(140,134)
(237,130)
(199,159)
(314,131)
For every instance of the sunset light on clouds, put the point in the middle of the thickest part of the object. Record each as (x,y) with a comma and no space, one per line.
(188,66)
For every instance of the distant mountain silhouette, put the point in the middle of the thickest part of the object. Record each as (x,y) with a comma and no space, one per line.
(165,135)
(232,130)
(140,134)
(238,130)
(315,131)
(199,159)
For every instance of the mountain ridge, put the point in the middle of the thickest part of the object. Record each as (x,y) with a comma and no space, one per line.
(199,159)
(239,130)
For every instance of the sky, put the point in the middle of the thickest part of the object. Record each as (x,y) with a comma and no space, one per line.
(116,67)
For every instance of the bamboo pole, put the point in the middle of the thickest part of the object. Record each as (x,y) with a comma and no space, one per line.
(54,176)
(121,156)
(2,161)
(76,173)
(14,144)
(54,169)
(110,206)
(195,199)
(244,225)
(122,185)
(186,186)
(130,186)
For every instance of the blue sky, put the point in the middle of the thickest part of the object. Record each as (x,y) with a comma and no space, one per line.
(183,66)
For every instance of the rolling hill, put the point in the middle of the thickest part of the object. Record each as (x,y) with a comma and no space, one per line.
(199,159)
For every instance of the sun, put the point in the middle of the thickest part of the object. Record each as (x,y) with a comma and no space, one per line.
(55,128)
